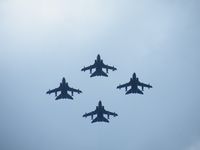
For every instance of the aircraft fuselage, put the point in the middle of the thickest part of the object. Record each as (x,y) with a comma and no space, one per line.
(63,87)
(100,111)
(99,64)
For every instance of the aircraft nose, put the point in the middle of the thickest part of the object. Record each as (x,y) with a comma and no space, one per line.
(134,74)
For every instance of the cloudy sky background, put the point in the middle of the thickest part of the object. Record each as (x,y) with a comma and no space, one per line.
(42,41)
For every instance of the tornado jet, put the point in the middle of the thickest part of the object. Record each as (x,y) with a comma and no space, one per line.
(100,112)
(99,66)
(64,89)
(134,83)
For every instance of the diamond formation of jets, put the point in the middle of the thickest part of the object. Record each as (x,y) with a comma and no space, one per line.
(64,88)
(99,66)
(134,83)
(100,112)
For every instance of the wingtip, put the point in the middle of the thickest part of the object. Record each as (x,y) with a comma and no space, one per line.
(48,92)
(83,69)
(84,115)
(79,91)
(118,87)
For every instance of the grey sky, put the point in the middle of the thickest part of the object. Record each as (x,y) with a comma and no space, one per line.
(43,41)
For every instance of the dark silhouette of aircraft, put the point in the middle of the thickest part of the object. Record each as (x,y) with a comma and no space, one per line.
(64,88)
(134,83)
(99,65)
(100,111)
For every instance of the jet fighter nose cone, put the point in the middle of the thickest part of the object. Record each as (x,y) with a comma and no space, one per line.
(63,80)
(100,103)
(134,75)
(98,57)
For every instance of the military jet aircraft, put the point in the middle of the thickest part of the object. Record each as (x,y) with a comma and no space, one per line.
(99,65)
(64,88)
(100,111)
(134,83)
